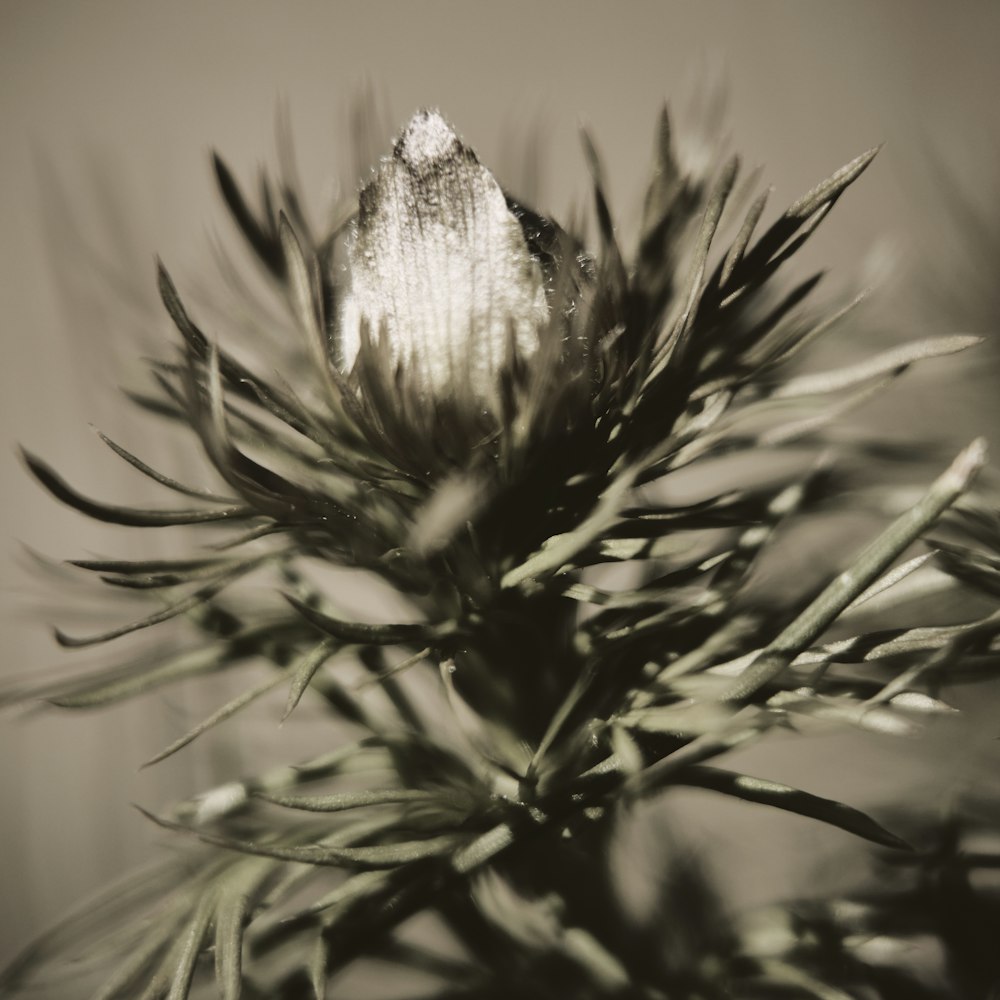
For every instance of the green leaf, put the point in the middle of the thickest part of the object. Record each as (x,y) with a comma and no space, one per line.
(487,845)
(747,724)
(687,719)
(239,379)
(375,857)
(772,793)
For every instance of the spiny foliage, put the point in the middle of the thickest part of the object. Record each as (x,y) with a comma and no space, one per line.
(529,701)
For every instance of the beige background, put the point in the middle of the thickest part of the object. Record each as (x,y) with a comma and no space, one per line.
(113,107)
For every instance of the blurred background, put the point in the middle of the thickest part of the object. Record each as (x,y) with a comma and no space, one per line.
(108,112)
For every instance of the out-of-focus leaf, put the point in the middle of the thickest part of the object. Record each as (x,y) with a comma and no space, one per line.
(916,701)
(374,857)
(380,635)
(694,718)
(785,974)
(561,549)
(230,708)
(302,290)
(788,233)
(260,237)
(890,579)
(688,298)
(230,916)
(142,959)
(86,926)
(865,569)
(106,687)
(772,793)
(187,954)
(304,671)
(318,963)
(738,247)
(844,710)
(340,801)
(136,517)
(193,600)
(882,364)
(163,480)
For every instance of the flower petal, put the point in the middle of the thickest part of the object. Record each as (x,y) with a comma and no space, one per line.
(439,265)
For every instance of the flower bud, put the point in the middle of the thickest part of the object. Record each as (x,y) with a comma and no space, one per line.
(438,265)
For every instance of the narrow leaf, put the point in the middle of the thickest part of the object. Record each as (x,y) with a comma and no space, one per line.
(832,187)
(159,477)
(230,916)
(142,957)
(352,889)
(560,549)
(735,253)
(379,635)
(881,364)
(259,238)
(772,793)
(300,283)
(193,600)
(374,857)
(304,671)
(787,975)
(341,801)
(890,579)
(867,567)
(318,963)
(191,948)
(86,924)
(231,708)
(109,686)
(129,516)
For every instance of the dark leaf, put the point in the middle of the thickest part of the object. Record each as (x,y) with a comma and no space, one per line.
(791,800)
(261,238)
(130,516)
(358,632)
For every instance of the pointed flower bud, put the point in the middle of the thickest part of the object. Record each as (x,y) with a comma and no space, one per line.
(439,266)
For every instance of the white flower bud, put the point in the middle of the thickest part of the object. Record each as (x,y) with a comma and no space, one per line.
(439,265)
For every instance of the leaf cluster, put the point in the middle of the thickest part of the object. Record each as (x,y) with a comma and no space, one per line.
(530,699)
